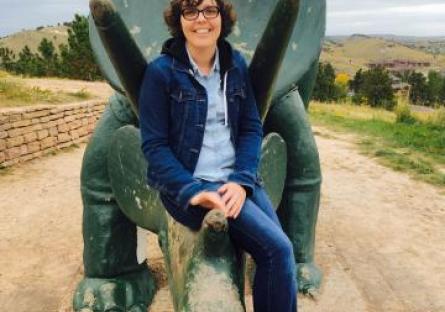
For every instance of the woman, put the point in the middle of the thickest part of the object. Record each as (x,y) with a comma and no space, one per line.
(201,135)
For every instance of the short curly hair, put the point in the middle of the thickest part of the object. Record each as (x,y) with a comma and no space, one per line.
(172,16)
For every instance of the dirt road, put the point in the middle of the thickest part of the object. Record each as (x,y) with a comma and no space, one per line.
(380,239)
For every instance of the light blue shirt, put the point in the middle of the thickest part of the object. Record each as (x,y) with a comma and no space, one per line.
(217,156)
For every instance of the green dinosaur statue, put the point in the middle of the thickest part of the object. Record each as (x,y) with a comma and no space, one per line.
(281,39)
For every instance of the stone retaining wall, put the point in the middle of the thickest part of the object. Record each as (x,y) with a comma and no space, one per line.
(30,132)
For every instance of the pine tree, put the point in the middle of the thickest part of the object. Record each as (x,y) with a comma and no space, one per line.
(77,60)
(434,85)
(442,93)
(28,63)
(357,82)
(356,85)
(324,89)
(418,93)
(377,88)
(7,58)
(49,57)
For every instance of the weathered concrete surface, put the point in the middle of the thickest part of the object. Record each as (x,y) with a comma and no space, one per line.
(379,242)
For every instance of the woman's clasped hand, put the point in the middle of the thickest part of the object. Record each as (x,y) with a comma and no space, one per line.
(229,198)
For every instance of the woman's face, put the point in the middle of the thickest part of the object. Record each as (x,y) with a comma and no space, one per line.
(202,32)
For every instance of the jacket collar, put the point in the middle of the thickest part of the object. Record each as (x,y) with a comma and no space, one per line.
(175,47)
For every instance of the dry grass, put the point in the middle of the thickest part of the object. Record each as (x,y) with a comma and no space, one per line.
(3,74)
(355,53)
(32,38)
(401,140)
(437,118)
(352,111)
(14,93)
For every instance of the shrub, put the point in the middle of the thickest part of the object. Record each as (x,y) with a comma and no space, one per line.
(438,118)
(373,87)
(377,88)
(82,94)
(326,89)
(403,113)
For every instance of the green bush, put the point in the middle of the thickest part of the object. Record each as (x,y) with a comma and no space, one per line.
(325,89)
(438,118)
(403,113)
(374,88)
(81,94)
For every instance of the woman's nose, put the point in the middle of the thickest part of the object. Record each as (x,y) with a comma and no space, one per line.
(201,17)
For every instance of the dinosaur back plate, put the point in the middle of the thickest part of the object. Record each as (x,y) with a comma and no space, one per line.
(144,19)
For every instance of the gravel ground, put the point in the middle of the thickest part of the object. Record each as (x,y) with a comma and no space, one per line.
(379,241)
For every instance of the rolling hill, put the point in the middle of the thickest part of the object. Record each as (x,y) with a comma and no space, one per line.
(32,38)
(346,53)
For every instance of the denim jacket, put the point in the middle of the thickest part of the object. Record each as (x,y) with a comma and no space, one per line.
(172,112)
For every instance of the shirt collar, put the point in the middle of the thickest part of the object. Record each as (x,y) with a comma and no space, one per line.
(196,71)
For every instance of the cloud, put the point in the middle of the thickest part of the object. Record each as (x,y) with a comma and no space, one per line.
(29,14)
(409,17)
(395,12)
(401,17)
(351,5)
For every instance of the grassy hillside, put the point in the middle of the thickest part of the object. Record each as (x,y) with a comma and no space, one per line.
(417,147)
(32,38)
(16,91)
(347,54)
(350,54)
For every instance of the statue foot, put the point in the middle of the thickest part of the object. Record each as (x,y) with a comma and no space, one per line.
(131,292)
(309,278)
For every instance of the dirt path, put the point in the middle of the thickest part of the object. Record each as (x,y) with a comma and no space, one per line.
(379,242)
(40,230)
(380,235)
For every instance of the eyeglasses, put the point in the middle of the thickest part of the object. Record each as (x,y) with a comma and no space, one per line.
(192,13)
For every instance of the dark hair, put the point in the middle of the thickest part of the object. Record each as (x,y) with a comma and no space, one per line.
(172,16)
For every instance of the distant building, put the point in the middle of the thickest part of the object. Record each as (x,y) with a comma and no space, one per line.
(398,85)
(400,66)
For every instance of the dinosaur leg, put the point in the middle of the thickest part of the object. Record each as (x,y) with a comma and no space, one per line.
(298,209)
(114,278)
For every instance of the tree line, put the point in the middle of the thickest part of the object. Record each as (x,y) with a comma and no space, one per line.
(73,60)
(375,87)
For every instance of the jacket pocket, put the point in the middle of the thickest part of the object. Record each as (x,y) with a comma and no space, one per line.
(236,94)
(183,95)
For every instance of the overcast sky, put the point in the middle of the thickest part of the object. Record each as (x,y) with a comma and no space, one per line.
(400,17)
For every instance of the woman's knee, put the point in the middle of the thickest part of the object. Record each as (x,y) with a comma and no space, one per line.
(283,247)
(259,233)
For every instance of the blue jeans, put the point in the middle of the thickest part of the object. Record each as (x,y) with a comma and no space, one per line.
(257,230)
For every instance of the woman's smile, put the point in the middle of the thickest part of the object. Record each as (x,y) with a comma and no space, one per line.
(202,32)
